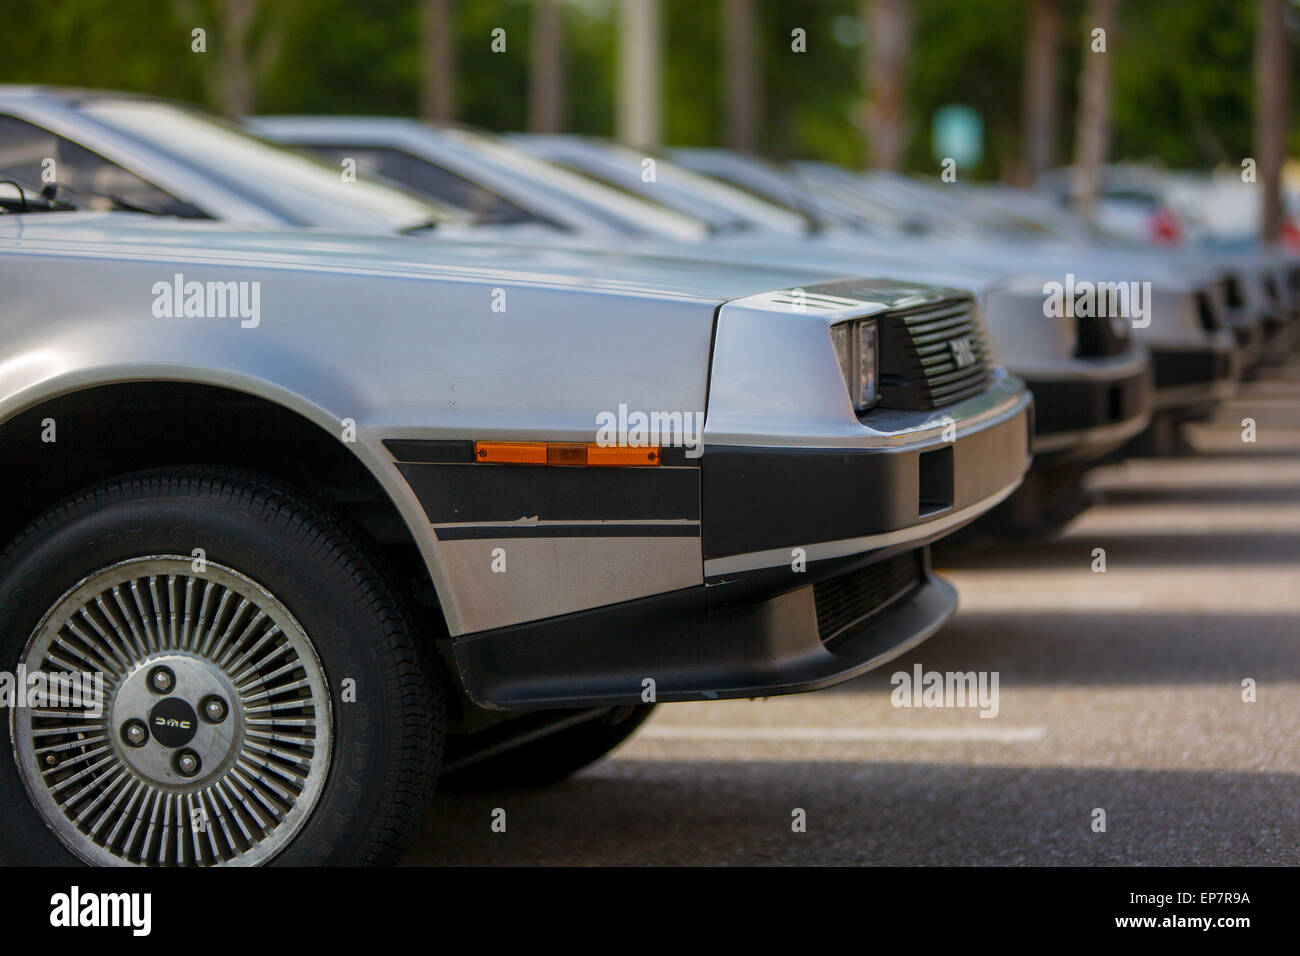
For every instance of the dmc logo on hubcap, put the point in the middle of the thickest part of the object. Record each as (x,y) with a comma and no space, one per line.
(173,722)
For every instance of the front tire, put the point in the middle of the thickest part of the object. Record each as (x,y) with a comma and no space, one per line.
(265,698)
(551,758)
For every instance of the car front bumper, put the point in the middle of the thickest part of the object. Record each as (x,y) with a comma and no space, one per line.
(693,645)
(1082,418)
(816,570)
(1192,381)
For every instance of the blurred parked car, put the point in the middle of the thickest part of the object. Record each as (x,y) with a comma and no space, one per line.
(1197,352)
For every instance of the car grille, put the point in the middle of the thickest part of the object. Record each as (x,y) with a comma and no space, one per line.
(932,355)
(851,598)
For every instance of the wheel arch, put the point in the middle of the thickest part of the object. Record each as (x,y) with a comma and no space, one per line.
(112,424)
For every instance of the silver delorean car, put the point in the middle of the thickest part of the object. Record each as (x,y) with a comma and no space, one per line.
(157,155)
(296,516)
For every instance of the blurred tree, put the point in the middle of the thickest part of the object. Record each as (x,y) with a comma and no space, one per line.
(968,54)
(1183,84)
(738,61)
(640,56)
(437,61)
(1270,112)
(885,58)
(694,73)
(342,57)
(1182,88)
(492,78)
(1040,102)
(590,66)
(135,45)
(1092,122)
(546,68)
(810,75)
(243,39)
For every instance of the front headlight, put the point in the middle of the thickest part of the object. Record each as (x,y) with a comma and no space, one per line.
(855,350)
(866,365)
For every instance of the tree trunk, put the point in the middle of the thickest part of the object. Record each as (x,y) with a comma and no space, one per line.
(1040,102)
(638,74)
(234,65)
(546,69)
(437,61)
(740,61)
(1092,132)
(884,67)
(1270,113)
(235,73)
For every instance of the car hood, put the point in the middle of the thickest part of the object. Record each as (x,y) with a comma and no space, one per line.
(134,237)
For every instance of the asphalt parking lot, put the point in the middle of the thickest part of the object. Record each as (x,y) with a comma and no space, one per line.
(1120,691)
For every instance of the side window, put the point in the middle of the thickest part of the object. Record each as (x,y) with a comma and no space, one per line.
(423,177)
(30,155)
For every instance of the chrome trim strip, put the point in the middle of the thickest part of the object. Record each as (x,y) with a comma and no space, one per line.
(563,522)
(1015,404)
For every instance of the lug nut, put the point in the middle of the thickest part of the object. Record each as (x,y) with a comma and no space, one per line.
(187,763)
(161,680)
(135,733)
(214,710)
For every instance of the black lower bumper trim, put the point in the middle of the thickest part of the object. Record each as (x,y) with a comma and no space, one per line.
(811,495)
(1175,369)
(1081,405)
(684,646)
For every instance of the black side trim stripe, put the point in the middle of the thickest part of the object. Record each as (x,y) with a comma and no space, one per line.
(431,452)
(456,494)
(569,531)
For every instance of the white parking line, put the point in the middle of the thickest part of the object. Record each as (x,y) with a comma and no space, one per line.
(1001,735)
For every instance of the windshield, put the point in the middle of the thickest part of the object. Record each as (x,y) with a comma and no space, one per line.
(742,209)
(722,208)
(633,213)
(756,178)
(279,178)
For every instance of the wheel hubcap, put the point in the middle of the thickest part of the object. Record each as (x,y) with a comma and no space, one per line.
(213,738)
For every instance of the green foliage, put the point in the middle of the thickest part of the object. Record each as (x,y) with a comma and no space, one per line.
(339,56)
(812,100)
(492,88)
(591,52)
(692,82)
(1183,69)
(1184,82)
(970,54)
(134,45)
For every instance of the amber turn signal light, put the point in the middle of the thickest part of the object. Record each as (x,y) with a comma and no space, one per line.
(565,453)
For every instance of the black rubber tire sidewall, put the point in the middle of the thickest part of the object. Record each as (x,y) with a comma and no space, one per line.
(549,759)
(311,568)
